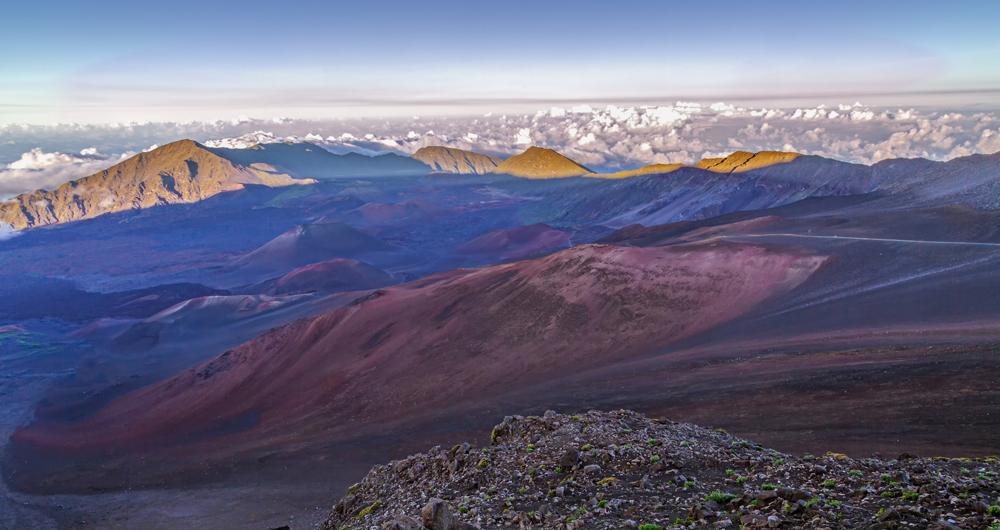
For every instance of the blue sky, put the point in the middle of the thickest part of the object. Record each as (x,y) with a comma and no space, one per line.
(181,60)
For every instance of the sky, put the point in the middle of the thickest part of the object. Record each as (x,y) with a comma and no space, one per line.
(129,61)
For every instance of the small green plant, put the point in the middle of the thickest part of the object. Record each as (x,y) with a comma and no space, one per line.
(559,470)
(720,497)
(689,484)
(829,483)
(577,417)
(994,527)
(741,480)
(652,442)
(755,503)
(354,488)
(889,494)
(368,510)
(730,472)
(654,459)
(483,463)
(855,473)
(832,503)
(586,447)
(993,511)
(910,496)
(778,461)
(650,526)
(531,448)
(463,509)
(768,486)
(885,477)
(603,503)
(811,503)
(881,512)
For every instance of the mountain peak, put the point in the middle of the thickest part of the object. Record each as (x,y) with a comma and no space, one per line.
(540,162)
(179,172)
(450,160)
(742,161)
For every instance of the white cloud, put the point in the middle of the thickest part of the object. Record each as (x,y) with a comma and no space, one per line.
(38,169)
(7,231)
(605,137)
(523,136)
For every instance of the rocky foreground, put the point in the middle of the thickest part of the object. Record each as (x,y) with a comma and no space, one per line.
(624,470)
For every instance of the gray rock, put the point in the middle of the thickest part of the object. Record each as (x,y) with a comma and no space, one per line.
(767,495)
(569,459)
(773,521)
(791,494)
(437,516)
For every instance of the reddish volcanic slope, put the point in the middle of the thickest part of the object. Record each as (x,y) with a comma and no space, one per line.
(411,351)
(339,274)
(518,242)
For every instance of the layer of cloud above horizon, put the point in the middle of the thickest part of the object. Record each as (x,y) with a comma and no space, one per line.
(609,137)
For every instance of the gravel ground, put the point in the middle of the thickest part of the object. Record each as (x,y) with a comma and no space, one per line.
(623,470)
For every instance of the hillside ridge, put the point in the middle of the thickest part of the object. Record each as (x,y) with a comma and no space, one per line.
(179,172)
(621,469)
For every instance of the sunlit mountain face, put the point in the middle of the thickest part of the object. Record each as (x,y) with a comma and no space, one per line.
(550,266)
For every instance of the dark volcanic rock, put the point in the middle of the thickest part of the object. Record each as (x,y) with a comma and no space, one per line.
(713,480)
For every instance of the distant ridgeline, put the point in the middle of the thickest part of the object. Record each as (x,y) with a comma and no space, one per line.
(186,172)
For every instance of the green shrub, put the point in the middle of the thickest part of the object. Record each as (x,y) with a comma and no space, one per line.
(368,510)
(650,526)
(769,486)
(720,497)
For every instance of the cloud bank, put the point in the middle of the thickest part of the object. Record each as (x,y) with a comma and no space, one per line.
(37,169)
(605,138)
(625,136)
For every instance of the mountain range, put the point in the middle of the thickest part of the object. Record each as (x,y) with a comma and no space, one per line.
(186,171)
(233,336)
